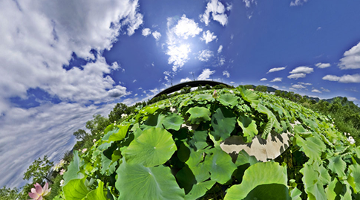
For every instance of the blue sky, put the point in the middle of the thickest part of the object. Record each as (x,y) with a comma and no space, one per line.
(63,61)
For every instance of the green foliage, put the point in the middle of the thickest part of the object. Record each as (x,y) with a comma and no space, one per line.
(162,153)
(8,193)
(38,170)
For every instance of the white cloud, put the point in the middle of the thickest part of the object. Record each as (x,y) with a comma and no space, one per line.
(187,79)
(263,79)
(323,65)
(222,61)
(276,69)
(134,80)
(46,35)
(249,2)
(205,74)
(298,2)
(298,86)
(275,86)
(217,10)
(302,69)
(156,35)
(351,59)
(226,73)
(353,99)
(302,83)
(146,32)
(39,41)
(178,55)
(278,79)
(355,78)
(296,76)
(325,90)
(205,55)
(316,90)
(177,34)
(186,28)
(28,131)
(220,49)
(208,36)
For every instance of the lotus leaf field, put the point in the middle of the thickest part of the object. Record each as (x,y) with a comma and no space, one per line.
(172,150)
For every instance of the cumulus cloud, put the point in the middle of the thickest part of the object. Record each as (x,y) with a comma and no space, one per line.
(208,36)
(351,59)
(353,99)
(178,55)
(40,40)
(48,28)
(276,69)
(323,65)
(177,35)
(205,55)
(298,86)
(186,28)
(187,79)
(355,78)
(146,32)
(220,49)
(316,90)
(249,2)
(205,74)
(226,73)
(278,79)
(298,2)
(302,69)
(296,76)
(263,79)
(217,10)
(156,35)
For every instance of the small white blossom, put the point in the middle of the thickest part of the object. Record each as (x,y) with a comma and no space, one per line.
(62,183)
(351,140)
(123,115)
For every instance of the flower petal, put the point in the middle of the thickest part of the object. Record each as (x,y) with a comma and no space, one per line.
(33,195)
(38,188)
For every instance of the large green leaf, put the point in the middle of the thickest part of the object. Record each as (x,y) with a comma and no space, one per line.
(107,165)
(153,147)
(73,169)
(311,179)
(312,147)
(354,178)
(75,189)
(201,170)
(265,178)
(135,181)
(120,134)
(153,121)
(249,96)
(337,165)
(199,139)
(248,126)
(228,100)
(97,194)
(199,190)
(244,158)
(221,166)
(199,114)
(173,121)
(223,122)
(201,97)
(330,190)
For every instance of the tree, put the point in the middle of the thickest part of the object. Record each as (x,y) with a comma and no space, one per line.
(98,124)
(8,194)
(39,170)
(116,113)
(261,88)
(80,134)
